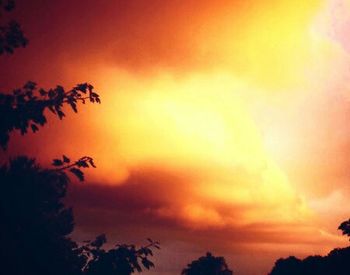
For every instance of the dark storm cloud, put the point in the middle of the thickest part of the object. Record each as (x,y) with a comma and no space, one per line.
(139,36)
(132,207)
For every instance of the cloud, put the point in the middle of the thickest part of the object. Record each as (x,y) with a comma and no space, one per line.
(245,38)
(154,197)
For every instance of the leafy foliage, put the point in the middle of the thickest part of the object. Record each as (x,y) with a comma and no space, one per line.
(122,259)
(35,224)
(11,34)
(336,262)
(25,107)
(207,265)
(74,168)
(345,227)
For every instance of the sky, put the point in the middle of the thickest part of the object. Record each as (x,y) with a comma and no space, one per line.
(223,125)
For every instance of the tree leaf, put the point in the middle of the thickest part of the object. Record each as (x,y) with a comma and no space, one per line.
(34,128)
(66,159)
(57,162)
(78,173)
(92,163)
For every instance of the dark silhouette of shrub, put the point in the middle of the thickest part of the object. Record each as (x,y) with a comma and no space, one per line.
(123,259)
(35,224)
(335,263)
(289,266)
(207,265)
(35,228)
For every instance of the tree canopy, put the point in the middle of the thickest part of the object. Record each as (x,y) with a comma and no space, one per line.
(207,265)
(336,262)
(345,227)
(35,222)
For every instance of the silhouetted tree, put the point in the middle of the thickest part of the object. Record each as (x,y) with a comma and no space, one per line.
(35,228)
(336,262)
(11,35)
(345,227)
(289,266)
(25,107)
(35,224)
(123,259)
(207,265)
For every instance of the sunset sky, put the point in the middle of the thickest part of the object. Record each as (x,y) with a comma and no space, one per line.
(224,125)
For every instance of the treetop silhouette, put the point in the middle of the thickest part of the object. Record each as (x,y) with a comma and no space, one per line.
(35,222)
(336,262)
(207,265)
(345,227)
(122,259)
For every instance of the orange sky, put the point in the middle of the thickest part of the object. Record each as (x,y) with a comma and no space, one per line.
(223,124)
